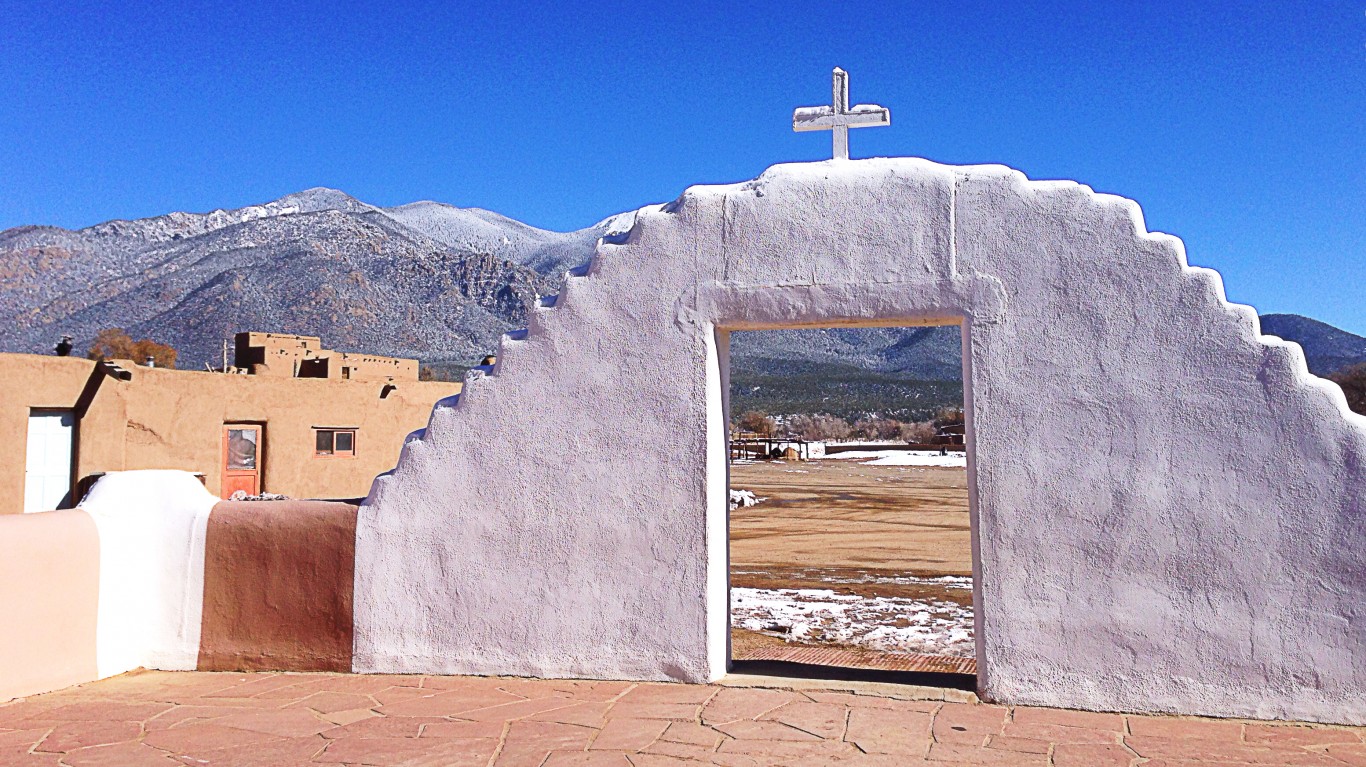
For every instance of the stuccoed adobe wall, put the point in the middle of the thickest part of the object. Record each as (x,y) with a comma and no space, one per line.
(49,597)
(1168,509)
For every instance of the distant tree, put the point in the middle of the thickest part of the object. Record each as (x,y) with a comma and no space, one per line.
(819,427)
(115,343)
(801,426)
(757,422)
(1353,383)
(877,428)
(918,432)
(862,429)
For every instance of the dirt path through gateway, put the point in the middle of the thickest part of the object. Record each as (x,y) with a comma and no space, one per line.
(889,534)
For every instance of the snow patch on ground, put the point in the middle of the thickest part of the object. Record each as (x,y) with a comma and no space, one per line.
(905,458)
(744,499)
(943,581)
(960,582)
(887,624)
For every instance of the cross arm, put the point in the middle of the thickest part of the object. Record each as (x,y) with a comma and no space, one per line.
(826,118)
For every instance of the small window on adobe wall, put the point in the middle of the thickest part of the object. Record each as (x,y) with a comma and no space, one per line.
(335,442)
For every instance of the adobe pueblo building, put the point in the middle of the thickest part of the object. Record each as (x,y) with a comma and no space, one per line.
(289,356)
(1167,509)
(324,434)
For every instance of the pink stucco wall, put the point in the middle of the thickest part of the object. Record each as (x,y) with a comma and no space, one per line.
(49,594)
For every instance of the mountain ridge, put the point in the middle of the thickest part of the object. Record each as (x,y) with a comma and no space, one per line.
(425,279)
(1327,348)
(318,262)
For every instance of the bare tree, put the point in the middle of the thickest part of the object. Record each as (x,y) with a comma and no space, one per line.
(949,416)
(918,432)
(114,343)
(757,422)
(819,427)
(877,428)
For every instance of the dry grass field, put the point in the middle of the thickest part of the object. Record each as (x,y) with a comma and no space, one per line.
(879,532)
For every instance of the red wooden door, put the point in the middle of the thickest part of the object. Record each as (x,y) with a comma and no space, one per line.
(241,459)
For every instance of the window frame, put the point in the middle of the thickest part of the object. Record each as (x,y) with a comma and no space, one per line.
(332,432)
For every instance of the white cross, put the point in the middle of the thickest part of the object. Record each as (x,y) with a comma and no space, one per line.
(838,118)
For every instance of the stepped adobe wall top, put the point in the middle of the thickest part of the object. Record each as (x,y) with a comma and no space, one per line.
(1166,505)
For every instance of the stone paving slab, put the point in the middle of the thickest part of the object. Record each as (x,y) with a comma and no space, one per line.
(164,719)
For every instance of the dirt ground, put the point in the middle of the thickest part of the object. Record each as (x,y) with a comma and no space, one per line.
(843,514)
(849,527)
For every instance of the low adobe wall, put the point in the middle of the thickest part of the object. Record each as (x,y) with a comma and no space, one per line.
(277,587)
(49,595)
(155,572)
(909,447)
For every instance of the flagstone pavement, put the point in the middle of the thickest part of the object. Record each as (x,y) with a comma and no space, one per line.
(163,719)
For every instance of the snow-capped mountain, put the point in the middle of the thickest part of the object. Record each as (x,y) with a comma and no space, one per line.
(318,262)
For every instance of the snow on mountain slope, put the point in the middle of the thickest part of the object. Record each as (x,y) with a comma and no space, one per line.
(179,225)
(483,231)
(190,278)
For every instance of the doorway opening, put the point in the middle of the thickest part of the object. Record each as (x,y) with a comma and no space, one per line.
(850,525)
(49,460)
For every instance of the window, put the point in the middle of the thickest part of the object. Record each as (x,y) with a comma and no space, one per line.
(242,448)
(334,442)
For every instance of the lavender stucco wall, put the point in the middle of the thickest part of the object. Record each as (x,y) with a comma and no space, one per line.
(1168,508)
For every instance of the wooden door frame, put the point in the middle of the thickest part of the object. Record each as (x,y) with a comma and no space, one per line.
(260,429)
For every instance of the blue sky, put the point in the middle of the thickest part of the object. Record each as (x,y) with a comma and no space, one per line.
(1240,127)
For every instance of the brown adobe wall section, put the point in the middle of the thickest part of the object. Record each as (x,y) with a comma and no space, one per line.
(277,587)
(49,590)
(278,355)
